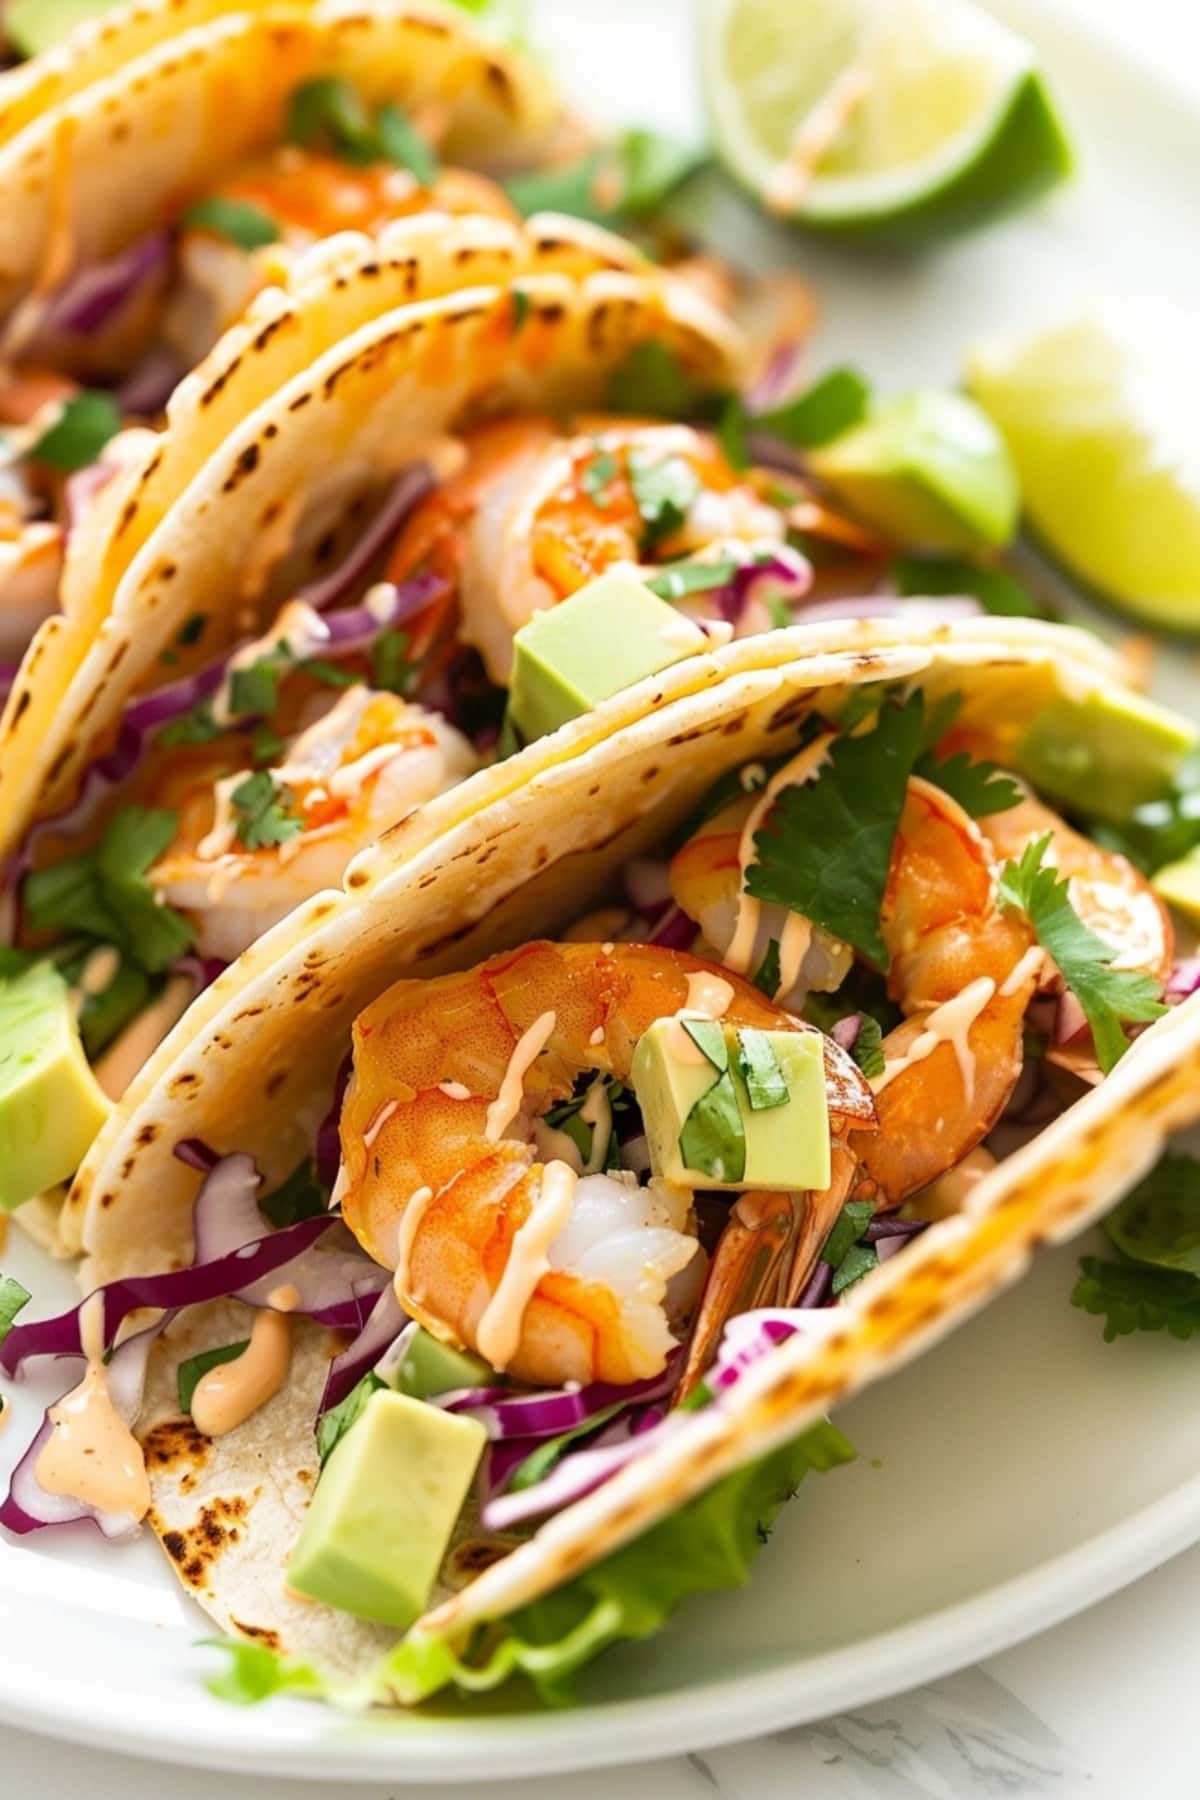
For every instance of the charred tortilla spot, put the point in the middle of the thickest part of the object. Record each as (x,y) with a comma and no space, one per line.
(732,727)
(60,761)
(650,774)
(357,878)
(274,1082)
(245,466)
(790,713)
(248,1012)
(23,700)
(127,1167)
(176,1441)
(107,1200)
(298,402)
(147,1134)
(261,1634)
(180,1084)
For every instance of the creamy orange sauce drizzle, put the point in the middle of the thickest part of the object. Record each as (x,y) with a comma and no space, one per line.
(498,1334)
(801,768)
(1027,969)
(454,1090)
(410,1224)
(815,136)
(91,1454)
(379,1119)
(228,1395)
(709,997)
(507,1104)
(284,1299)
(949,1023)
(142,1036)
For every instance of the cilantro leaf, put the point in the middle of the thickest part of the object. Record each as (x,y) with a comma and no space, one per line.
(240,221)
(538,1464)
(708,1036)
(868,1047)
(104,1015)
(401,143)
(265,744)
(86,423)
(598,475)
(104,892)
(858,1261)
(254,690)
(623,181)
(834,403)
(758,1066)
(329,113)
(333,1425)
(197,726)
(1132,1297)
(301,1196)
(826,846)
(674,581)
(653,380)
(12,1298)
(1109,997)
(713,1139)
(320,669)
(264,812)
(189,1372)
(848,1227)
(980,787)
(1158,1221)
(664,487)
(996,591)
(766,977)
(391,670)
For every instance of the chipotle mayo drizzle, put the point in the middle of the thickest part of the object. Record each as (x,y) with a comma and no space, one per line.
(410,1224)
(505,1107)
(709,997)
(949,1023)
(91,1454)
(801,768)
(1029,966)
(228,1395)
(499,1331)
(142,1036)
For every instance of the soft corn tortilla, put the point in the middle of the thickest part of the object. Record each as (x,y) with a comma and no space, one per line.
(224,517)
(518,851)
(105,137)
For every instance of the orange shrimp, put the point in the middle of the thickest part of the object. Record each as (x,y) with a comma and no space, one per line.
(534,516)
(312,196)
(446,1170)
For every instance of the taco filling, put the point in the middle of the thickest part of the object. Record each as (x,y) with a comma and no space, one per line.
(564,1203)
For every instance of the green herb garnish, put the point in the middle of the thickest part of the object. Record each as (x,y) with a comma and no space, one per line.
(191,1371)
(758,1066)
(86,423)
(242,223)
(264,812)
(104,892)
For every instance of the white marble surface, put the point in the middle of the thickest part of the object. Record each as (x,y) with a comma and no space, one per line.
(1102,1707)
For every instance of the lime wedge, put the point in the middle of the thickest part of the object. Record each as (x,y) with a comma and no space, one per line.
(928,469)
(898,119)
(35,25)
(1100,416)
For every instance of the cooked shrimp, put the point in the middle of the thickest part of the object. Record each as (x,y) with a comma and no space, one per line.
(536,516)
(307,196)
(443,1180)
(354,769)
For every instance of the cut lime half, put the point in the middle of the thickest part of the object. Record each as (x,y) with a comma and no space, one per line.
(897,119)
(1100,413)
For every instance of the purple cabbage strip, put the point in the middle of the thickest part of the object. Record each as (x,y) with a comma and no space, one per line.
(786,574)
(146,389)
(410,488)
(88,300)
(328,1152)
(676,931)
(28,1506)
(384,1324)
(845,1031)
(81,488)
(1184,980)
(581,1473)
(542,1415)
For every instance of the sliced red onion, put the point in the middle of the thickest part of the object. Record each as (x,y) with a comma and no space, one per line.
(1184,980)
(28,1506)
(203,970)
(542,1415)
(226,1213)
(886,1229)
(1071,1020)
(647,881)
(778,380)
(411,486)
(90,299)
(785,575)
(818,1289)
(675,931)
(328,1152)
(581,1473)
(196,1154)
(386,1323)
(846,1030)
(8,674)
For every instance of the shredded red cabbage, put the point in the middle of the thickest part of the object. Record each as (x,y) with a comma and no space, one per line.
(785,574)
(90,299)
(411,486)
(386,1323)
(542,1415)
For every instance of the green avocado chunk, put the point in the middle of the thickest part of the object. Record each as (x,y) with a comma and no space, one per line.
(36,25)
(611,634)
(384,1509)
(51,1105)
(430,1367)
(786,1140)
(929,469)
(1179,885)
(1105,753)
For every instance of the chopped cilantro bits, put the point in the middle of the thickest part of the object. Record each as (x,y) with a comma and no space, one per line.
(12,1298)
(664,487)
(867,1050)
(1110,998)
(104,893)
(758,1066)
(401,143)
(241,222)
(979,787)
(264,812)
(767,976)
(713,1139)
(391,669)
(86,423)
(328,113)
(822,412)
(599,473)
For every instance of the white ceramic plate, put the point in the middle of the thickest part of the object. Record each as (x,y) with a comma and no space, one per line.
(1021,1471)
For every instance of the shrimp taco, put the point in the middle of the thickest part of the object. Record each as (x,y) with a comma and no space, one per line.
(166,163)
(515,1214)
(281,673)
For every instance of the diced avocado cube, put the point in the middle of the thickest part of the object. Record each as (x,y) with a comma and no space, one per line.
(430,1367)
(384,1509)
(1105,753)
(786,1146)
(611,634)
(51,1105)
(1179,885)
(928,469)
